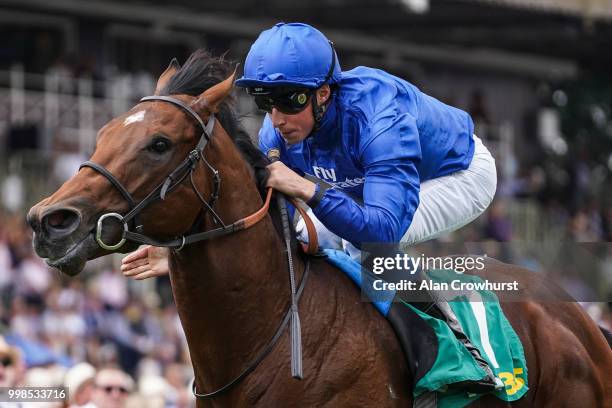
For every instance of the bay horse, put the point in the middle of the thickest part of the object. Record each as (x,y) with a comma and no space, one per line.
(232,291)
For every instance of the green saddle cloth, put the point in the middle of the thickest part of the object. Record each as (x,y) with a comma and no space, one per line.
(488,329)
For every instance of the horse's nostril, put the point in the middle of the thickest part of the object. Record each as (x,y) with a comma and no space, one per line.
(58,218)
(61,221)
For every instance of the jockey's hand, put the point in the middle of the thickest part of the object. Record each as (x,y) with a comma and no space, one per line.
(146,262)
(285,180)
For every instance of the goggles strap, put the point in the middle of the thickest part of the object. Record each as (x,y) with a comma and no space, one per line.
(318,111)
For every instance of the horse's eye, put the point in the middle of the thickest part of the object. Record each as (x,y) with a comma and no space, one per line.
(159,146)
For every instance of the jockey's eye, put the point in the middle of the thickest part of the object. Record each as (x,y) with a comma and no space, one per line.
(160,145)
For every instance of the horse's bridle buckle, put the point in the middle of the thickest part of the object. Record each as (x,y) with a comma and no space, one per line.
(99,232)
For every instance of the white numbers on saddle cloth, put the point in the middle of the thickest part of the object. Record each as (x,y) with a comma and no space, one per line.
(481,319)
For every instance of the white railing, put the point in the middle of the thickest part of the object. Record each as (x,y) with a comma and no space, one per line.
(67,109)
(68,112)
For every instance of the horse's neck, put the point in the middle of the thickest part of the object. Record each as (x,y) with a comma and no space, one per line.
(231,292)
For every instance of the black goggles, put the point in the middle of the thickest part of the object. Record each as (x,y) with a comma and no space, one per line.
(286,100)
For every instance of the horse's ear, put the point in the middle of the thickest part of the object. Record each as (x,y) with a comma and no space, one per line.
(168,73)
(210,99)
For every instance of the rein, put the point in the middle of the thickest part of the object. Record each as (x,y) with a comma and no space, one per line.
(264,352)
(178,175)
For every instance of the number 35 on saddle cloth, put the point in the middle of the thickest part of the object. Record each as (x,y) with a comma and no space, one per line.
(438,360)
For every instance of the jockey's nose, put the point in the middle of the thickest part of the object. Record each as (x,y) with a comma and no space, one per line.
(55,224)
(277,117)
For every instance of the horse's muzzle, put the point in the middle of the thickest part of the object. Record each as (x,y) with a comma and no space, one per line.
(58,232)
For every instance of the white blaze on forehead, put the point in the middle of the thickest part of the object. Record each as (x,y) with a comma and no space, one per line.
(135,117)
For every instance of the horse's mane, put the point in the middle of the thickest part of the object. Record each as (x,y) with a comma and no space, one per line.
(202,71)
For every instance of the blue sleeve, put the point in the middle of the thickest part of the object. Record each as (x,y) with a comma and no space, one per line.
(390,152)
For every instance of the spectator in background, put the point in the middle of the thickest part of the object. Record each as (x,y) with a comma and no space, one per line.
(580,176)
(44,51)
(6,265)
(178,377)
(18,239)
(12,367)
(112,387)
(61,75)
(25,320)
(112,289)
(156,391)
(499,226)
(478,108)
(579,228)
(594,218)
(67,159)
(48,375)
(33,276)
(79,381)
(13,192)
(63,325)
(143,82)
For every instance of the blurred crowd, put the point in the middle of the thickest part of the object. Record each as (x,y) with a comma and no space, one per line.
(571,189)
(110,343)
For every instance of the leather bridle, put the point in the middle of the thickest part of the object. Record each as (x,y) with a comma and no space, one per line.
(174,179)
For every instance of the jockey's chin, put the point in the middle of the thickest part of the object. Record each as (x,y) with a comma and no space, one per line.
(294,136)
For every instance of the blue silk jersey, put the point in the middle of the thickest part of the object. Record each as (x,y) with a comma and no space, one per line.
(379,139)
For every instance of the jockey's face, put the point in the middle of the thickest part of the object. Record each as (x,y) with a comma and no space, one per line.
(295,128)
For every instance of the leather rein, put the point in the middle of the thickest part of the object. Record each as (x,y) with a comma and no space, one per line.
(174,179)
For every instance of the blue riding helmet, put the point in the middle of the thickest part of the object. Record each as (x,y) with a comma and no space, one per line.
(293,54)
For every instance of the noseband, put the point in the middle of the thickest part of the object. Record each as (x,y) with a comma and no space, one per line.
(174,179)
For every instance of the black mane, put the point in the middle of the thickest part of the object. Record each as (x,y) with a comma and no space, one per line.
(202,71)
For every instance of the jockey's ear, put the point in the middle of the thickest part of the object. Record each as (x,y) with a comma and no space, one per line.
(323,94)
(210,99)
(168,73)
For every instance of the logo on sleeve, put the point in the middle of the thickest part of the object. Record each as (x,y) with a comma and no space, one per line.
(329,175)
(325,174)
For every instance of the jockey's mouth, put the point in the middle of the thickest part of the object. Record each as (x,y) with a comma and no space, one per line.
(286,132)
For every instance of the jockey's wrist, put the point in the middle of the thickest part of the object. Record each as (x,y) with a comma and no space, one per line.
(317,196)
(309,190)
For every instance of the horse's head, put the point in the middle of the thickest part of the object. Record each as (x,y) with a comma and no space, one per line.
(139,150)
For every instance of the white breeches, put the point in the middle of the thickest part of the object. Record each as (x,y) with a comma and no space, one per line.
(445,204)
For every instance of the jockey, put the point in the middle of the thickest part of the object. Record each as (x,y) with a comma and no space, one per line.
(374,158)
